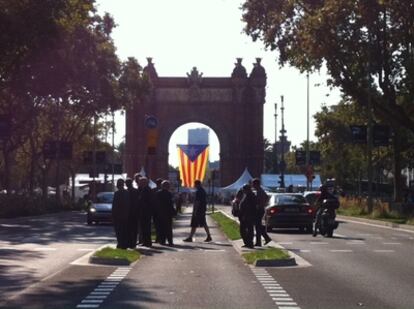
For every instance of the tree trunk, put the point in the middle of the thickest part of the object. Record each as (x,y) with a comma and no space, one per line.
(397,167)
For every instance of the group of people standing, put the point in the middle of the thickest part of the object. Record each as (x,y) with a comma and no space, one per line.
(250,202)
(134,210)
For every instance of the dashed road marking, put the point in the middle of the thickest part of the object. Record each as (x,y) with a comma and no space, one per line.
(318,243)
(341,250)
(44,249)
(392,243)
(384,251)
(104,289)
(281,298)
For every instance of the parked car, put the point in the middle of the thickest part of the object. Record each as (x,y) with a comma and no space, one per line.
(101,209)
(311,197)
(289,210)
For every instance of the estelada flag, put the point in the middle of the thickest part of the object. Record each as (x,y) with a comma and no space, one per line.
(192,163)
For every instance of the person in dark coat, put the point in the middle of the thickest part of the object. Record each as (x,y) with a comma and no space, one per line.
(262,201)
(134,214)
(247,215)
(137,177)
(156,215)
(120,212)
(198,218)
(166,212)
(145,200)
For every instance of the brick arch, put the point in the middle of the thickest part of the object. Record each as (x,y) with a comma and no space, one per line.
(232,107)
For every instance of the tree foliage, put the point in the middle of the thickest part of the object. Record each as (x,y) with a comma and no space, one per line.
(366,45)
(58,70)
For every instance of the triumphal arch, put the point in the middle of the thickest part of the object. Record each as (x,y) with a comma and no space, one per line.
(231,106)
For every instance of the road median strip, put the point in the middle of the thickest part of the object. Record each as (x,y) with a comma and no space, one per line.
(267,256)
(114,256)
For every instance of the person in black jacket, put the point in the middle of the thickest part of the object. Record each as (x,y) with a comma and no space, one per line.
(247,215)
(166,213)
(145,200)
(262,201)
(120,212)
(198,218)
(134,213)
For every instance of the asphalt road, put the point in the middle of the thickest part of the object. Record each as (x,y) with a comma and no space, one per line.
(35,248)
(361,267)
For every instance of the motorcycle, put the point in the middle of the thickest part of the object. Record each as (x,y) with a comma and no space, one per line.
(325,222)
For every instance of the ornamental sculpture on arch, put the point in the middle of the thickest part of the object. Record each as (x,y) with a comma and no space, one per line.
(231,106)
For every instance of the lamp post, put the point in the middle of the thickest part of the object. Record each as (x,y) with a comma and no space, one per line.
(282,144)
(307,130)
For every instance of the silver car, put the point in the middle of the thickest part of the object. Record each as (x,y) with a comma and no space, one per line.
(101,209)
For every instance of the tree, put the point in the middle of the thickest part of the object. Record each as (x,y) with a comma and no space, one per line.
(366,45)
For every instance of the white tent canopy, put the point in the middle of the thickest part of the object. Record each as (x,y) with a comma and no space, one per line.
(243,179)
(150,182)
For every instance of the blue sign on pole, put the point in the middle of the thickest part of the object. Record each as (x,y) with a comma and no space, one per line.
(151,122)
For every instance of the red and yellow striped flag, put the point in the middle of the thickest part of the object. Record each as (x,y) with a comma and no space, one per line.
(192,163)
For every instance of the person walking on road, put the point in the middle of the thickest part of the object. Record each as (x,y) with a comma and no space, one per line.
(198,218)
(166,212)
(120,213)
(134,213)
(145,200)
(247,215)
(262,201)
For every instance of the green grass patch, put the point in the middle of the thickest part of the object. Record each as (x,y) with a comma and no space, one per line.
(114,254)
(227,225)
(266,254)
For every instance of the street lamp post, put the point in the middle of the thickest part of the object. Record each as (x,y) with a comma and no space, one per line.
(307,130)
(282,144)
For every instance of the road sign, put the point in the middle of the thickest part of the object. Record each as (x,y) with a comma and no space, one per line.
(151,122)
(359,134)
(314,157)
(53,150)
(381,135)
(300,157)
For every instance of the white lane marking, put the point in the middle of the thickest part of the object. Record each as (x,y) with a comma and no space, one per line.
(391,243)
(282,299)
(85,249)
(318,243)
(341,250)
(339,235)
(44,249)
(286,303)
(104,289)
(285,243)
(356,242)
(384,251)
(305,250)
(92,301)
(8,248)
(95,297)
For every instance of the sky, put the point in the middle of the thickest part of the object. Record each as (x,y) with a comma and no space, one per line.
(208,34)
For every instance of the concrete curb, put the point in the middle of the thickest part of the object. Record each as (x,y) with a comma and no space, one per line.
(237,245)
(116,262)
(378,223)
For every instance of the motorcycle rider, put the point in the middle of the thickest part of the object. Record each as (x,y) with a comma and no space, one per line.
(325,195)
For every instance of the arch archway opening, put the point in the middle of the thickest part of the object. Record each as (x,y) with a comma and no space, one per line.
(195,133)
